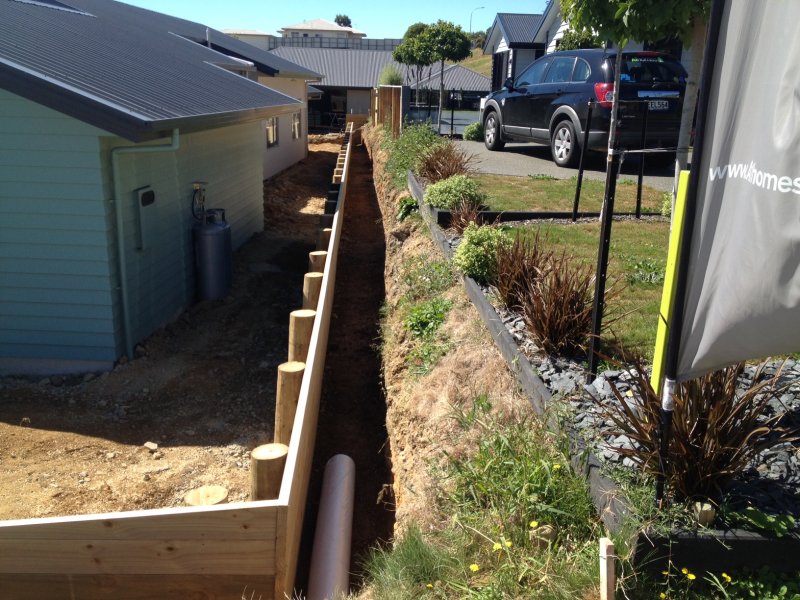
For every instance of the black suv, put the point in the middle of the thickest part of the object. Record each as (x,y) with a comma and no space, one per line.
(548,102)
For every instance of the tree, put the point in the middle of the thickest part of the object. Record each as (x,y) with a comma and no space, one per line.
(449,42)
(415,51)
(649,21)
(574,40)
(343,21)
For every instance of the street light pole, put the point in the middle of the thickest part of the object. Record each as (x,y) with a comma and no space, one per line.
(470,17)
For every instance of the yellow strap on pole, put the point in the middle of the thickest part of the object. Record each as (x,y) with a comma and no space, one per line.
(670,282)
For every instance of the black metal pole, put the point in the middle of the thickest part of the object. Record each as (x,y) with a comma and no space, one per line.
(682,277)
(641,162)
(452,111)
(580,164)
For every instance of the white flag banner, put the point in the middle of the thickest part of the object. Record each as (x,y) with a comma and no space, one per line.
(742,298)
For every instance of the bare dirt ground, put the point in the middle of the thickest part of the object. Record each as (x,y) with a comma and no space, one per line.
(202,388)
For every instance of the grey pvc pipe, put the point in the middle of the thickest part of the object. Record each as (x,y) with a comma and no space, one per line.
(329,576)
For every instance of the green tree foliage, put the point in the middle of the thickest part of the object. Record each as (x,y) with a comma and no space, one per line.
(574,40)
(449,42)
(415,51)
(649,21)
(343,21)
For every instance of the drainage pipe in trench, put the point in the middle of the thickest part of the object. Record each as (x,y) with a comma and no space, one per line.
(329,576)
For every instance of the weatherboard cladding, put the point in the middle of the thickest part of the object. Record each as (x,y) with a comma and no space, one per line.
(124,68)
(518,28)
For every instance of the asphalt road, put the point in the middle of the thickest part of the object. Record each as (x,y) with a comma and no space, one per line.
(533,159)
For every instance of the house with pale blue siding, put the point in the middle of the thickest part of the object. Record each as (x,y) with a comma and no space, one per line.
(99,102)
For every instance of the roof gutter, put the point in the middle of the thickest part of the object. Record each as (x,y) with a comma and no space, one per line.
(173,146)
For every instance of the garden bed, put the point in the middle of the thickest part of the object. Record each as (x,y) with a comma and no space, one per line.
(703,549)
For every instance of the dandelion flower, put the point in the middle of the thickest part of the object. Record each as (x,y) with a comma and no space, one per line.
(691,576)
(429,586)
(508,543)
(534,524)
(662,595)
(556,466)
(726,577)
(496,546)
(685,571)
(474,568)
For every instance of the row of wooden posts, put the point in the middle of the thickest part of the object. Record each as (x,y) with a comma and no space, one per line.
(267,461)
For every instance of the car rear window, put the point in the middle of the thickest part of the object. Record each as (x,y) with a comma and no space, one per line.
(650,68)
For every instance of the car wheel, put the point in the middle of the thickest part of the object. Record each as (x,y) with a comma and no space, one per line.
(564,145)
(491,132)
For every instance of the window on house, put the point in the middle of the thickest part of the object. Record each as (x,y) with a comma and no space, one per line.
(296,126)
(272,132)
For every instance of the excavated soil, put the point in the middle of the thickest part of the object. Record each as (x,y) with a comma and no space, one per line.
(200,391)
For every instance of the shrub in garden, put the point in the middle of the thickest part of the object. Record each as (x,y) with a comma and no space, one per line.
(454,191)
(463,214)
(473,132)
(556,305)
(518,263)
(444,160)
(716,431)
(406,151)
(475,255)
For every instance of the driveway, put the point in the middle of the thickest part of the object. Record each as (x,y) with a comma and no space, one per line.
(532,159)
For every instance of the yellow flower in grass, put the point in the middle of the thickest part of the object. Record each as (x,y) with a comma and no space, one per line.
(534,524)
(429,586)
(685,571)
(556,467)
(474,568)
(726,577)
(662,595)
(508,543)
(496,546)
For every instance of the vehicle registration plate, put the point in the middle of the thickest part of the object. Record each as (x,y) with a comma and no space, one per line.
(658,104)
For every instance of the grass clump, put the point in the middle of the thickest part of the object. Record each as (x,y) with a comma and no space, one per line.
(473,132)
(444,160)
(425,319)
(516,522)
(454,191)
(475,255)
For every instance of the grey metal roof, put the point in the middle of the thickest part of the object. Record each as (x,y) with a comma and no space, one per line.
(458,77)
(130,71)
(517,28)
(341,68)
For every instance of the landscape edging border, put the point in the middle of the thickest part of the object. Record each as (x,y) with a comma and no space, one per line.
(710,550)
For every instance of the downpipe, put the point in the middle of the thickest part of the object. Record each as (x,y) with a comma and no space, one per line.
(173,146)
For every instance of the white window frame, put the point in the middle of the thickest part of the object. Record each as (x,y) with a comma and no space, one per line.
(297,130)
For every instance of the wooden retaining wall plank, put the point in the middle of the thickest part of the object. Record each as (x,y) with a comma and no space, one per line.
(23,586)
(176,557)
(241,521)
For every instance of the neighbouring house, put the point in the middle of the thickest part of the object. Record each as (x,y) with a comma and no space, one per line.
(331,35)
(510,41)
(349,76)
(109,115)
(318,34)
(516,40)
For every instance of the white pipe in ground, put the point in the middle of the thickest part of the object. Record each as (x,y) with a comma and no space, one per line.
(329,575)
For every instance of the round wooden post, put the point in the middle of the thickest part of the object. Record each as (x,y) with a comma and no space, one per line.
(316,260)
(290,376)
(301,322)
(266,471)
(312,285)
(324,238)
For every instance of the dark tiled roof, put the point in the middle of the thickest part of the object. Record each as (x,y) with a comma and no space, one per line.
(341,68)
(458,77)
(133,72)
(518,28)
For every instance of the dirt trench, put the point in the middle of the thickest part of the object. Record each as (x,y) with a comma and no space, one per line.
(352,416)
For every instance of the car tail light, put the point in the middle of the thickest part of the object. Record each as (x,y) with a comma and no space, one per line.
(604,92)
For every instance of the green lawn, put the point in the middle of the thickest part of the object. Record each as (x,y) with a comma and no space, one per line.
(540,193)
(637,261)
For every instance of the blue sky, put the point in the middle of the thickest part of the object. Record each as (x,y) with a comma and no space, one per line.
(376,19)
